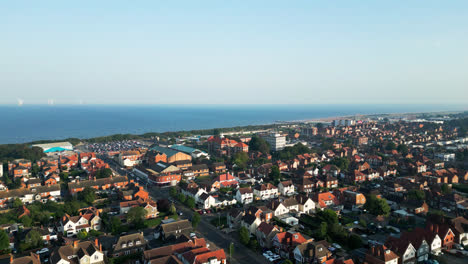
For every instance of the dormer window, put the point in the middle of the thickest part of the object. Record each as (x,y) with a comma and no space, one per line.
(124,245)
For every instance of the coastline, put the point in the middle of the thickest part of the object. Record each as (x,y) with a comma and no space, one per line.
(230,129)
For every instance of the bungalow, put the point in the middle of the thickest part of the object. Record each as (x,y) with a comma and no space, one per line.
(128,244)
(170,229)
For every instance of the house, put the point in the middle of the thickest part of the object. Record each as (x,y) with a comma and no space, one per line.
(103,184)
(168,254)
(277,207)
(169,230)
(265,233)
(417,238)
(128,244)
(129,158)
(207,201)
(285,243)
(305,204)
(244,195)
(312,252)
(266,191)
(403,248)
(224,180)
(40,194)
(380,254)
(218,167)
(250,222)
(199,170)
(460,227)
(447,236)
(286,188)
(71,225)
(234,218)
(85,252)
(133,191)
(204,256)
(305,185)
(326,199)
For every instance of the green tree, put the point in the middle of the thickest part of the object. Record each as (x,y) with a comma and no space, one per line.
(182,198)
(173,191)
(275,174)
(26,221)
(115,225)
(88,195)
(377,206)
(257,143)
(190,202)
(4,240)
(328,216)
(253,244)
(82,235)
(136,215)
(322,231)
(354,241)
(403,149)
(341,163)
(196,219)
(391,146)
(17,203)
(172,209)
(103,173)
(33,239)
(244,235)
(287,262)
(416,195)
(241,159)
(231,250)
(445,189)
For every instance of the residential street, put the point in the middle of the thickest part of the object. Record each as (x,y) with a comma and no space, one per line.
(241,254)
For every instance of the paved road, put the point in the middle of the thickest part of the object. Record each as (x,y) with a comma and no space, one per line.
(241,254)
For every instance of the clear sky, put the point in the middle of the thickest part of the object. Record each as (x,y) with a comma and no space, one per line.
(234,52)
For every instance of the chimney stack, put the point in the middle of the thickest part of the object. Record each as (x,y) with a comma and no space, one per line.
(75,243)
(96,242)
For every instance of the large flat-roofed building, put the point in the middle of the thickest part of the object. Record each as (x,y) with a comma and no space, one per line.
(195,153)
(55,147)
(276,141)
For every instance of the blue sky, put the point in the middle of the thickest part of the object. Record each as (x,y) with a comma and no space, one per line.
(234,52)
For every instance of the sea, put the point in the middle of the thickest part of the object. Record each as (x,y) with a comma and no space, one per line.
(26,123)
